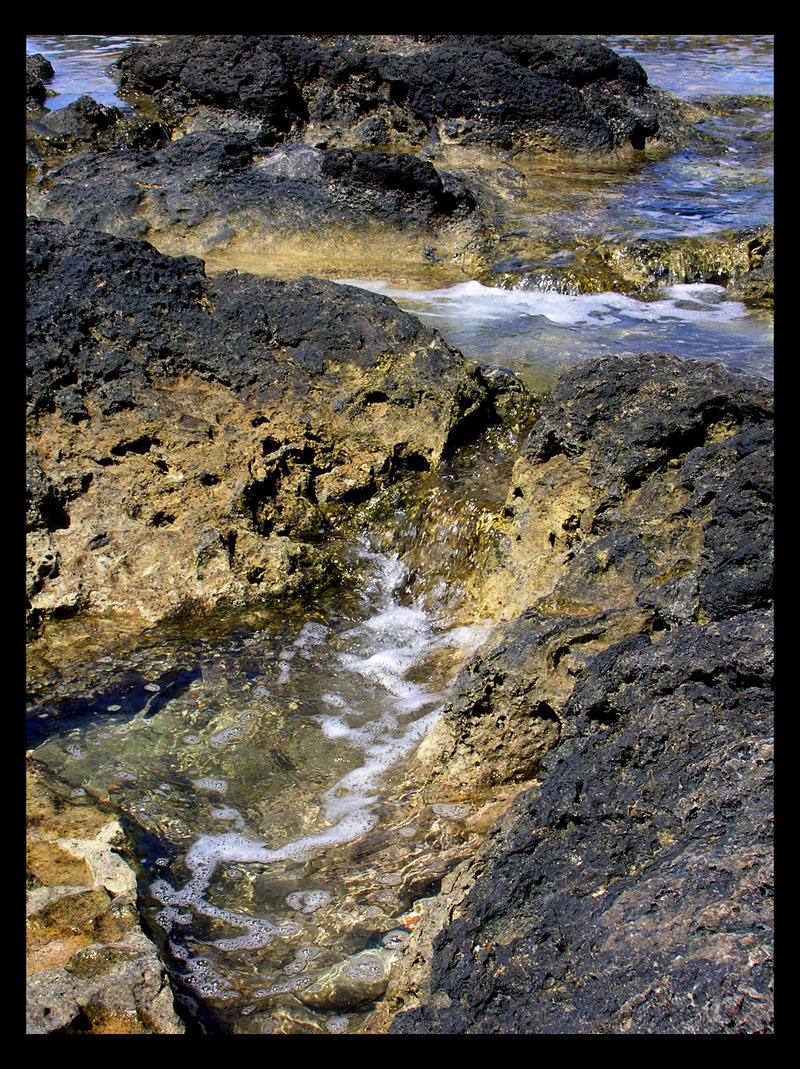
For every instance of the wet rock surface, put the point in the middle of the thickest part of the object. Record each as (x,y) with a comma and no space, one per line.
(630,892)
(744,261)
(194,443)
(38,71)
(377,153)
(190,440)
(90,966)
(628,887)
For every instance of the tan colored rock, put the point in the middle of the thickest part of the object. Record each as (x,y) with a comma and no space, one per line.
(90,966)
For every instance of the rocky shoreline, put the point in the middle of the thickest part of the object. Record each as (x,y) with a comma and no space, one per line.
(627,888)
(202,441)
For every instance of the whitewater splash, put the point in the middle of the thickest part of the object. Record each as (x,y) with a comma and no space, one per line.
(688,302)
(539,331)
(371,701)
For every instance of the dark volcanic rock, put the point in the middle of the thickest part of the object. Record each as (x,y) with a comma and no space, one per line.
(235,72)
(38,70)
(631,415)
(632,892)
(207,189)
(82,120)
(629,888)
(544,92)
(190,439)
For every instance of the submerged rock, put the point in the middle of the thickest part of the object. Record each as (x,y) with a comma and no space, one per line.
(628,888)
(190,440)
(743,261)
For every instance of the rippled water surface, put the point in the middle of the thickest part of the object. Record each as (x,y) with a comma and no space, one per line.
(256,764)
(80,63)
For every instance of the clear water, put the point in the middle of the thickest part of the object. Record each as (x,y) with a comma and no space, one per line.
(257,767)
(80,63)
(537,333)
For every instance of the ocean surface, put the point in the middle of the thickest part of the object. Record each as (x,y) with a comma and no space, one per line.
(255,765)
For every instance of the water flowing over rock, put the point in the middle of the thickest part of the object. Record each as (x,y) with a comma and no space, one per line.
(577,834)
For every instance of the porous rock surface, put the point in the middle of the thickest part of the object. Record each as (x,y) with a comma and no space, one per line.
(38,70)
(210,190)
(543,92)
(190,440)
(629,886)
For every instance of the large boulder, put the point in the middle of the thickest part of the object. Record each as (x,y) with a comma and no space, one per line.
(211,194)
(191,440)
(509,91)
(632,891)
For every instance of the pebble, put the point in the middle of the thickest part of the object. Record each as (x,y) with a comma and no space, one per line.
(451,811)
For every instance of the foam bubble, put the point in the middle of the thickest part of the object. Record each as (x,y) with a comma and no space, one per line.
(208,784)
(307,901)
(474,302)
(374,706)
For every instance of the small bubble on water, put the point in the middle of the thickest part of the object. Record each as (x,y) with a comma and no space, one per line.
(368,968)
(337,1025)
(452,811)
(390,879)
(307,901)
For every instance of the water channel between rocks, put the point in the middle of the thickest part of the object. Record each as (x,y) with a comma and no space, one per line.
(253,769)
(258,764)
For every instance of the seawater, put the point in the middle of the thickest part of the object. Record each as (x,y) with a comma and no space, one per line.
(254,764)
(258,789)
(537,333)
(80,63)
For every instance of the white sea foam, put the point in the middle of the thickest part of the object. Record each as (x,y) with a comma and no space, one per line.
(472,301)
(379,711)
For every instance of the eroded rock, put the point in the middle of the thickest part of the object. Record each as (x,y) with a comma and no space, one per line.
(212,194)
(191,440)
(628,887)
(542,92)
(90,966)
